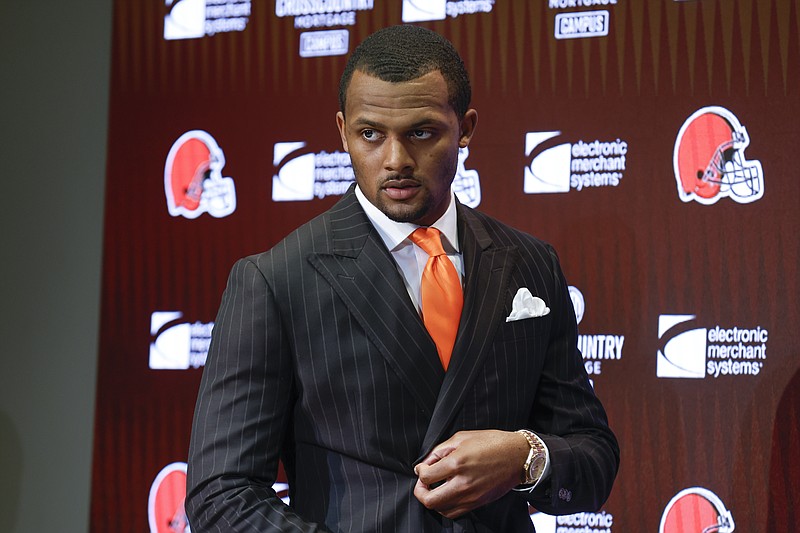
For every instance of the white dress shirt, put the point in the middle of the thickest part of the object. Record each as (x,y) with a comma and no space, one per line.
(410,258)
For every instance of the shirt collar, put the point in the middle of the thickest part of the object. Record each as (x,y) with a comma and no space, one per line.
(394,233)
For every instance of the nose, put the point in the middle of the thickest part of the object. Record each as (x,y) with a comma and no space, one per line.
(398,158)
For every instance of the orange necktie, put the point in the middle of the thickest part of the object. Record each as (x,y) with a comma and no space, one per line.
(442,297)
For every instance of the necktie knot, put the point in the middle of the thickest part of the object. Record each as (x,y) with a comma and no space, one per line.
(429,240)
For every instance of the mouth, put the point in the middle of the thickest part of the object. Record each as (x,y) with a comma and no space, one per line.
(401,189)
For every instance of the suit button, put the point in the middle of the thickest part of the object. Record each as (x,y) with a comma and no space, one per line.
(565,494)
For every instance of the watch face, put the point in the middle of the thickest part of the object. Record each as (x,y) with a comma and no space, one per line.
(536,468)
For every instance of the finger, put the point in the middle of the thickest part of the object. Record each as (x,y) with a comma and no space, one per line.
(434,457)
(439,453)
(442,499)
(455,513)
(437,472)
(433,496)
(422,493)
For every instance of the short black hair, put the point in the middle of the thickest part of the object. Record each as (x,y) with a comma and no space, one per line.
(404,53)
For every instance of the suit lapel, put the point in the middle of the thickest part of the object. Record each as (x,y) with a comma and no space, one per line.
(488,270)
(364,275)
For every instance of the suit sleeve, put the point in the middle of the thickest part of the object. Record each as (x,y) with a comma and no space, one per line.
(570,419)
(242,415)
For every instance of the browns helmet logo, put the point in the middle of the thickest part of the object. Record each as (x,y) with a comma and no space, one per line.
(709,160)
(165,511)
(696,510)
(193,179)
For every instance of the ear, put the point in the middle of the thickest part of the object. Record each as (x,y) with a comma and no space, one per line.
(468,124)
(340,123)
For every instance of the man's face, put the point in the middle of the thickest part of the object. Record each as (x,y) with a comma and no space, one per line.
(403,139)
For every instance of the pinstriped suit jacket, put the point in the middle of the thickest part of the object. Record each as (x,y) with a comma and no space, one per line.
(320,359)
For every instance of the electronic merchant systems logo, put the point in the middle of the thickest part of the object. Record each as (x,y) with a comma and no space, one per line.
(192,19)
(178,345)
(165,504)
(555,166)
(696,509)
(709,159)
(601,522)
(193,181)
(688,351)
(595,348)
(302,175)
(424,10)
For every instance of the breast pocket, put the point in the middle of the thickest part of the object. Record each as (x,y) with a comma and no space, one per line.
(526,328)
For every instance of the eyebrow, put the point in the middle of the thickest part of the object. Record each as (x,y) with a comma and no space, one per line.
(416,125)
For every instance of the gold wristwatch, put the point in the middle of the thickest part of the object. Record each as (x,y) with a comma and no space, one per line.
(537,457)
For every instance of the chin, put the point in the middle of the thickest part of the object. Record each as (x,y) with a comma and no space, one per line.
(405,217)
(405,212)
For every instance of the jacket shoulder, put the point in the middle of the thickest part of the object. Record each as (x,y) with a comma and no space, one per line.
(504,235)
(345,220)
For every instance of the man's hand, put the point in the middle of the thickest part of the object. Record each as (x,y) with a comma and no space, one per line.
(470,469)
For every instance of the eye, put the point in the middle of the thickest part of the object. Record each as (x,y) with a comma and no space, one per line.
(369,135)
(421,134)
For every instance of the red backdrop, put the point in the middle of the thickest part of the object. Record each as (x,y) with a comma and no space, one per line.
(661,272)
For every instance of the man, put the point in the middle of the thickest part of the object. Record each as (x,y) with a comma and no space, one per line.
(325,354)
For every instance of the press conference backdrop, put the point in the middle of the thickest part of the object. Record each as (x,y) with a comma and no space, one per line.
(653,143)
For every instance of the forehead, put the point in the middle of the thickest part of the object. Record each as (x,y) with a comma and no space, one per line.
(368,96)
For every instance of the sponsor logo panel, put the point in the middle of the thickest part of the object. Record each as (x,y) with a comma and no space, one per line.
(193,19)
(178,345)
(709,160)
(689,350)
(556,166)
(696,509)
(193,181)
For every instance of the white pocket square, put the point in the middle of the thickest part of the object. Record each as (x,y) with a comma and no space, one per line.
(526,305)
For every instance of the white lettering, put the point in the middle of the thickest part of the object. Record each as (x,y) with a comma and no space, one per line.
(563,4)
(592,520)
(595,179)
(325,19)
(293,8)
(601,346)
(735,334)
(593,367)
(225,25)
(463,7)
(733,368)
